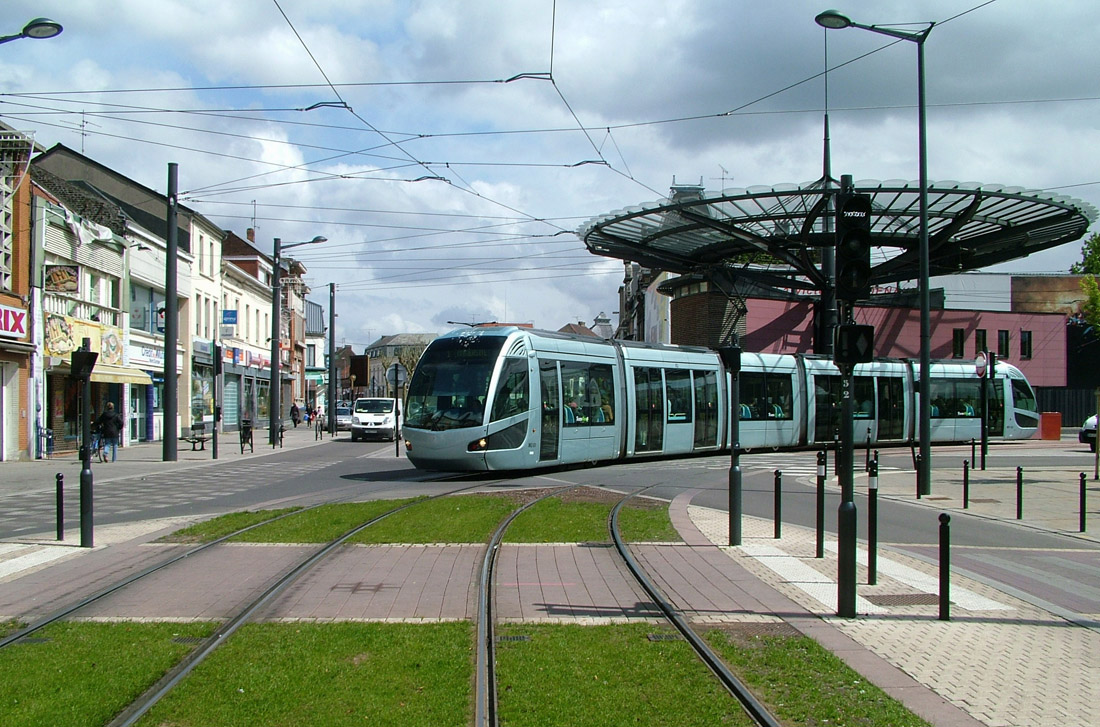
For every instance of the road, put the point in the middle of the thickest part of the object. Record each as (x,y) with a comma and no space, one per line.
(1056,570)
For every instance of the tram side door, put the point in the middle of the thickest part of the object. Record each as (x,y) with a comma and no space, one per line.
(891,411)
(550,429)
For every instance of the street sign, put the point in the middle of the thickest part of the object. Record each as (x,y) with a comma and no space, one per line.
(229,317)
(396,375)
(980,365)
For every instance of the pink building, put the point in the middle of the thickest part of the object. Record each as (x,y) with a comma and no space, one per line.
(1033,342)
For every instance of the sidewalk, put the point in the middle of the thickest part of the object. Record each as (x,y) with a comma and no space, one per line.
(147,458)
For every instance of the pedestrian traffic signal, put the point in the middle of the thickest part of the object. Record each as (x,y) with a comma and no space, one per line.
(853,247)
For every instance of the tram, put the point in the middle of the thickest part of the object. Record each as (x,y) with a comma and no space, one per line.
(508,398)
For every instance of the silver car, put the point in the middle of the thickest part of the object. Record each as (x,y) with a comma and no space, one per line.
(1087,435)
(344,420)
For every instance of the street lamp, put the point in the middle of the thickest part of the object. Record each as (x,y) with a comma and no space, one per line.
(274,404)
(37,28)
(832,20)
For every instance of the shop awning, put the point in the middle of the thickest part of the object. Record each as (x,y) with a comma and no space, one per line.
(108,374)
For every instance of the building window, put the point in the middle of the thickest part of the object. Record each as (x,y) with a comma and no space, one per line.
(980,344)
(1025,344)
(7,239)
(198,315)
(1002,344)
(958,341)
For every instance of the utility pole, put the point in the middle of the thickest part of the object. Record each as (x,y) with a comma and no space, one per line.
(332,359)
(170,451)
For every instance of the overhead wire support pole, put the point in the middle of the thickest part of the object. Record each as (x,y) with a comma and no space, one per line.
(170,447)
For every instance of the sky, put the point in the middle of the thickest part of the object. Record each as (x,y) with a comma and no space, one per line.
(449,150)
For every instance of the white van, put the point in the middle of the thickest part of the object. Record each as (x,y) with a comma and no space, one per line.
(375,417)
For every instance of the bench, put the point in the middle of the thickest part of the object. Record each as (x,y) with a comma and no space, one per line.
(198,437)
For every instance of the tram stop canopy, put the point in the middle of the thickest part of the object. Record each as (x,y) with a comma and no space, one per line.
(767,240)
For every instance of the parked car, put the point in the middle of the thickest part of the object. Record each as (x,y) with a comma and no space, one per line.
(344,419)
(376,417)
(1087,435)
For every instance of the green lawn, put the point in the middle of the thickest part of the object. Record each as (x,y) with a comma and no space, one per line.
(331,675)
(85,673)
(610,676)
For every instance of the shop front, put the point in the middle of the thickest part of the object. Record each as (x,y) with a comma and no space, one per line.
(145,416)
(15,360)
(111,377)
(246,384)
(202,382)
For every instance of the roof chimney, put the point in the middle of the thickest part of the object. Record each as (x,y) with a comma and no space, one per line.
(250,234)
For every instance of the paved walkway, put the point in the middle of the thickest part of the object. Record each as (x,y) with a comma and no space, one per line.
(999,661)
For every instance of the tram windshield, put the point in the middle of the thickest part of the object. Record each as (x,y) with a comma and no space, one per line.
(451,382)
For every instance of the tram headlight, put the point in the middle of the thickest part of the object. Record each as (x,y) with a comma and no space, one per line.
(478,445)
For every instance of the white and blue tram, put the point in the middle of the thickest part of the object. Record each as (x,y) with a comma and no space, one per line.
(505,398)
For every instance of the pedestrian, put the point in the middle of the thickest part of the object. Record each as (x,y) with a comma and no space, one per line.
(110,425)
(295,414)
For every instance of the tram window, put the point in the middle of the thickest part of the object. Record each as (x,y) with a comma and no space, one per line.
(942,395)
(510,397)
(1023,397)
(678,387)
(968,398)
(778,387)
(589,394)
(753,395)
(863,393)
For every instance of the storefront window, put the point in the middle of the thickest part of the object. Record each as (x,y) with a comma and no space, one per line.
(202,393)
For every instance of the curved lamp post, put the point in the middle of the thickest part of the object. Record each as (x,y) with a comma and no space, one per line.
(274,405)
(37,28)
(832,20)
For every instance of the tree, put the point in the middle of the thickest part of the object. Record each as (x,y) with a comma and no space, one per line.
(1090,308)
(1090,257)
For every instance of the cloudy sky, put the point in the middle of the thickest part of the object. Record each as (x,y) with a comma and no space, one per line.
(449,148)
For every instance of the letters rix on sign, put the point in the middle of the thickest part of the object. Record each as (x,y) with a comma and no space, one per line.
(13,322)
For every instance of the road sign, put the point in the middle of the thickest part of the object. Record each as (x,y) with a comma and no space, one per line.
(980,365)
(396,374)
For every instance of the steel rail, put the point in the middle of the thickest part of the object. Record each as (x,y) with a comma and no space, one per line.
(752,706)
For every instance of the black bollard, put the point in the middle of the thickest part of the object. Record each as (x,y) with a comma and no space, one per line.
(966,484)
(822,458)
(778,504)
(61,505)
(916,466)
(872,522)
(867,457)
(1082,502)
(973,452)
(945,567)
(1019,493)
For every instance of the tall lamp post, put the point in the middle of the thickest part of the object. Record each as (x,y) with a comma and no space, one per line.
(832,20)
(274,404)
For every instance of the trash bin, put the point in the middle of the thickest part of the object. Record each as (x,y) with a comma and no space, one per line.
(246,435)
(1050,425)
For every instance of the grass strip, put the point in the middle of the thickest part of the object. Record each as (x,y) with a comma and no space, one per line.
(612,676)
(85,673)
(223,525)
(301,675)
(646,523)
(319,525)
(454,519)
(804,683)
(554,520)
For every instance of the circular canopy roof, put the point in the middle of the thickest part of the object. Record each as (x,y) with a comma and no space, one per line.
(770,237)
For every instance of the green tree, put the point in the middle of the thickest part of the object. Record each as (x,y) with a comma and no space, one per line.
(1090,257)
(1090,309)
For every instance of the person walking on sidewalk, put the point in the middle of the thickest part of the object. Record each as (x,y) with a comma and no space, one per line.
(110,425)
(295,414)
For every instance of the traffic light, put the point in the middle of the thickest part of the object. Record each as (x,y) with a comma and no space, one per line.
(853,247)
(854,343)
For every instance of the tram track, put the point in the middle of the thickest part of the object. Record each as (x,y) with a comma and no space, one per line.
(486,714)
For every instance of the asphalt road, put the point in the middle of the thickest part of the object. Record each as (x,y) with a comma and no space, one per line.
(1052,569)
